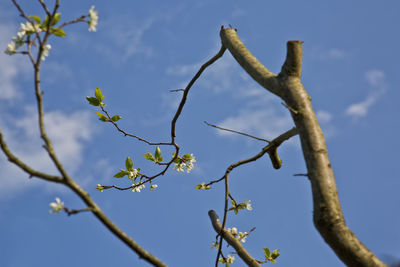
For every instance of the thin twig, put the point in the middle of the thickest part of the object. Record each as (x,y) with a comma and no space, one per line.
(233,131)
(45,8)
(186,92)
(73,211)
(80,19)
(274,143)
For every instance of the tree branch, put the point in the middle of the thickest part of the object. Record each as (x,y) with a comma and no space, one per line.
(328,216)
(241,251)
(33,173)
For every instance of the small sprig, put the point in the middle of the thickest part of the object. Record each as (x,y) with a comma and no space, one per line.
(241,206)
(157,156)
(271,256)
(129,171)
(184,162)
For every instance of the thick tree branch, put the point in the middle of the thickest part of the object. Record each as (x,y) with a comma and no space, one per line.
(241,251)
(328,216)
(249,63)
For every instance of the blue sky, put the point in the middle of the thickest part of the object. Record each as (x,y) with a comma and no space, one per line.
(143,49)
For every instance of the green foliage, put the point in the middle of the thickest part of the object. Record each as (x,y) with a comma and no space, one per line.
(271,256)
(121,174)
(56,19)
(157,155)
(102,117)
(203,186)
(35,18)
(129,164)
(116,118)
(149,156)
(98,94)
(58,32)
(93,101)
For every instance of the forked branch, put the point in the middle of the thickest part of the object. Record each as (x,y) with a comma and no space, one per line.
(328,216)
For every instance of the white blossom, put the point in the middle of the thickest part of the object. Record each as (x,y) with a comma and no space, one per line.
(230,259)
(233,231)
(11,49)
(133,174)
(57,206)
(93,21)
(29,28)
(45,52)
(242,236)
(137,188)
(153,187)
(248,205)
(179,167)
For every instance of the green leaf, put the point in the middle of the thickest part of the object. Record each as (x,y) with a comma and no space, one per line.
(98,94)
(148,156)
(102,117)
(267,252)
(121,174)
(236,211)
(157,155)
(36,18)
(177,160)
(56,19)
(58,32)
(233,203)
(93,101)
(129,164)
(275,254)
(187,157)
(116,118)
(45,22)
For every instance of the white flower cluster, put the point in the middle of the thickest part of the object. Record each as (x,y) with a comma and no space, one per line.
(94,19)
(133,174)
(18,41)
(136,187)
(57,206)
(228,259)
(153,187)
(240,236)
(185,163)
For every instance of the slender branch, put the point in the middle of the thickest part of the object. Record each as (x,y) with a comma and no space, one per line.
(231,240)
(131,135)
(74,211)
(45,8)
(32,173)
(186,92)
(20,10)
(273,144)
(233,131)
(80,19)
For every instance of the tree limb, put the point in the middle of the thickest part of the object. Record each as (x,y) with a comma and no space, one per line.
(241,251)
(328,215)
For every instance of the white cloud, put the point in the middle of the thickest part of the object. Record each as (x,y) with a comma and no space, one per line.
(324,54)
(323,116)
(68,133)
(126,37)
(376,79)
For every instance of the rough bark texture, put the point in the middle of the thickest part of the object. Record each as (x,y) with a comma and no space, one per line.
(328,216)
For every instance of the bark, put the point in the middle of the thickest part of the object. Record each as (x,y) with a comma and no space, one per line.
(328,215)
